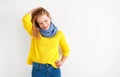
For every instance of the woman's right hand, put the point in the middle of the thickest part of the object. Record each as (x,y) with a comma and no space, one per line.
(33,10)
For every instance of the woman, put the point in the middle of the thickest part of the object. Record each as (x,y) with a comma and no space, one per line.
(46,39)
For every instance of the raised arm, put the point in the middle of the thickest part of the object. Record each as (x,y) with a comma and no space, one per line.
(26,20)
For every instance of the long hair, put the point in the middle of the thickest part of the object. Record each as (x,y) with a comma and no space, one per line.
(35,26)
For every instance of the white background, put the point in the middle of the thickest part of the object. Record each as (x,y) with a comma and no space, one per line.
(91,27)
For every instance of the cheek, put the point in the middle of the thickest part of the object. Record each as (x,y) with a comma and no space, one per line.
(49,23)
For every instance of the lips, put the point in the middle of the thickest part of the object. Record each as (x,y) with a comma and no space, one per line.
(45,28)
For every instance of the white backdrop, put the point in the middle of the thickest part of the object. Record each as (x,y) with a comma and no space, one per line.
(92,28)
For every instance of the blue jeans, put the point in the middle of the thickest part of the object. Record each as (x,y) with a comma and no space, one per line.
(45,70)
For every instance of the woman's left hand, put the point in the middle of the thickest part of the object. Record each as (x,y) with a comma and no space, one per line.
(59,63)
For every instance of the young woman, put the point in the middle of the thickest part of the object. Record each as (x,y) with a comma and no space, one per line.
(46,39)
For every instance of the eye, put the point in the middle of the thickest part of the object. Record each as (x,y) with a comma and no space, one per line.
(40,23)
(46,21)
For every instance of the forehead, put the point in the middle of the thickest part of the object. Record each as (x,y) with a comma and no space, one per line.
(42,17)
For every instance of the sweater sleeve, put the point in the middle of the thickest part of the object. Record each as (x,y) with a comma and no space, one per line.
(64,45)
(29,60)
(26,20)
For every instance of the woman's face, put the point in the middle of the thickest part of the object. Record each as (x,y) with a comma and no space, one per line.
(43,21)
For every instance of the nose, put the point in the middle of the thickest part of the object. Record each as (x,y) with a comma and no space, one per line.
(44,24)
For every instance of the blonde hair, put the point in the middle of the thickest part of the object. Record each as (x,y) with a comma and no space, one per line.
(39,11)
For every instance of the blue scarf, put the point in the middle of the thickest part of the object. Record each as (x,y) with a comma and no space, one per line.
(50,32)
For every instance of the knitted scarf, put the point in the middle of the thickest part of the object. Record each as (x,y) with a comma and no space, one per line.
(50,32)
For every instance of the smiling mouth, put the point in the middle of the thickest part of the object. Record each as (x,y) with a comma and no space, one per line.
(44,27)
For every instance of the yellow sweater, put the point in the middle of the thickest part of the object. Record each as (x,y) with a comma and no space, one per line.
(45,50)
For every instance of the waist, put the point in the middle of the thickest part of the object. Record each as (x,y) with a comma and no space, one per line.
(41,65)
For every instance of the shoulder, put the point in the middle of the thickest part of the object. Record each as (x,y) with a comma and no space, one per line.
(60,33)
